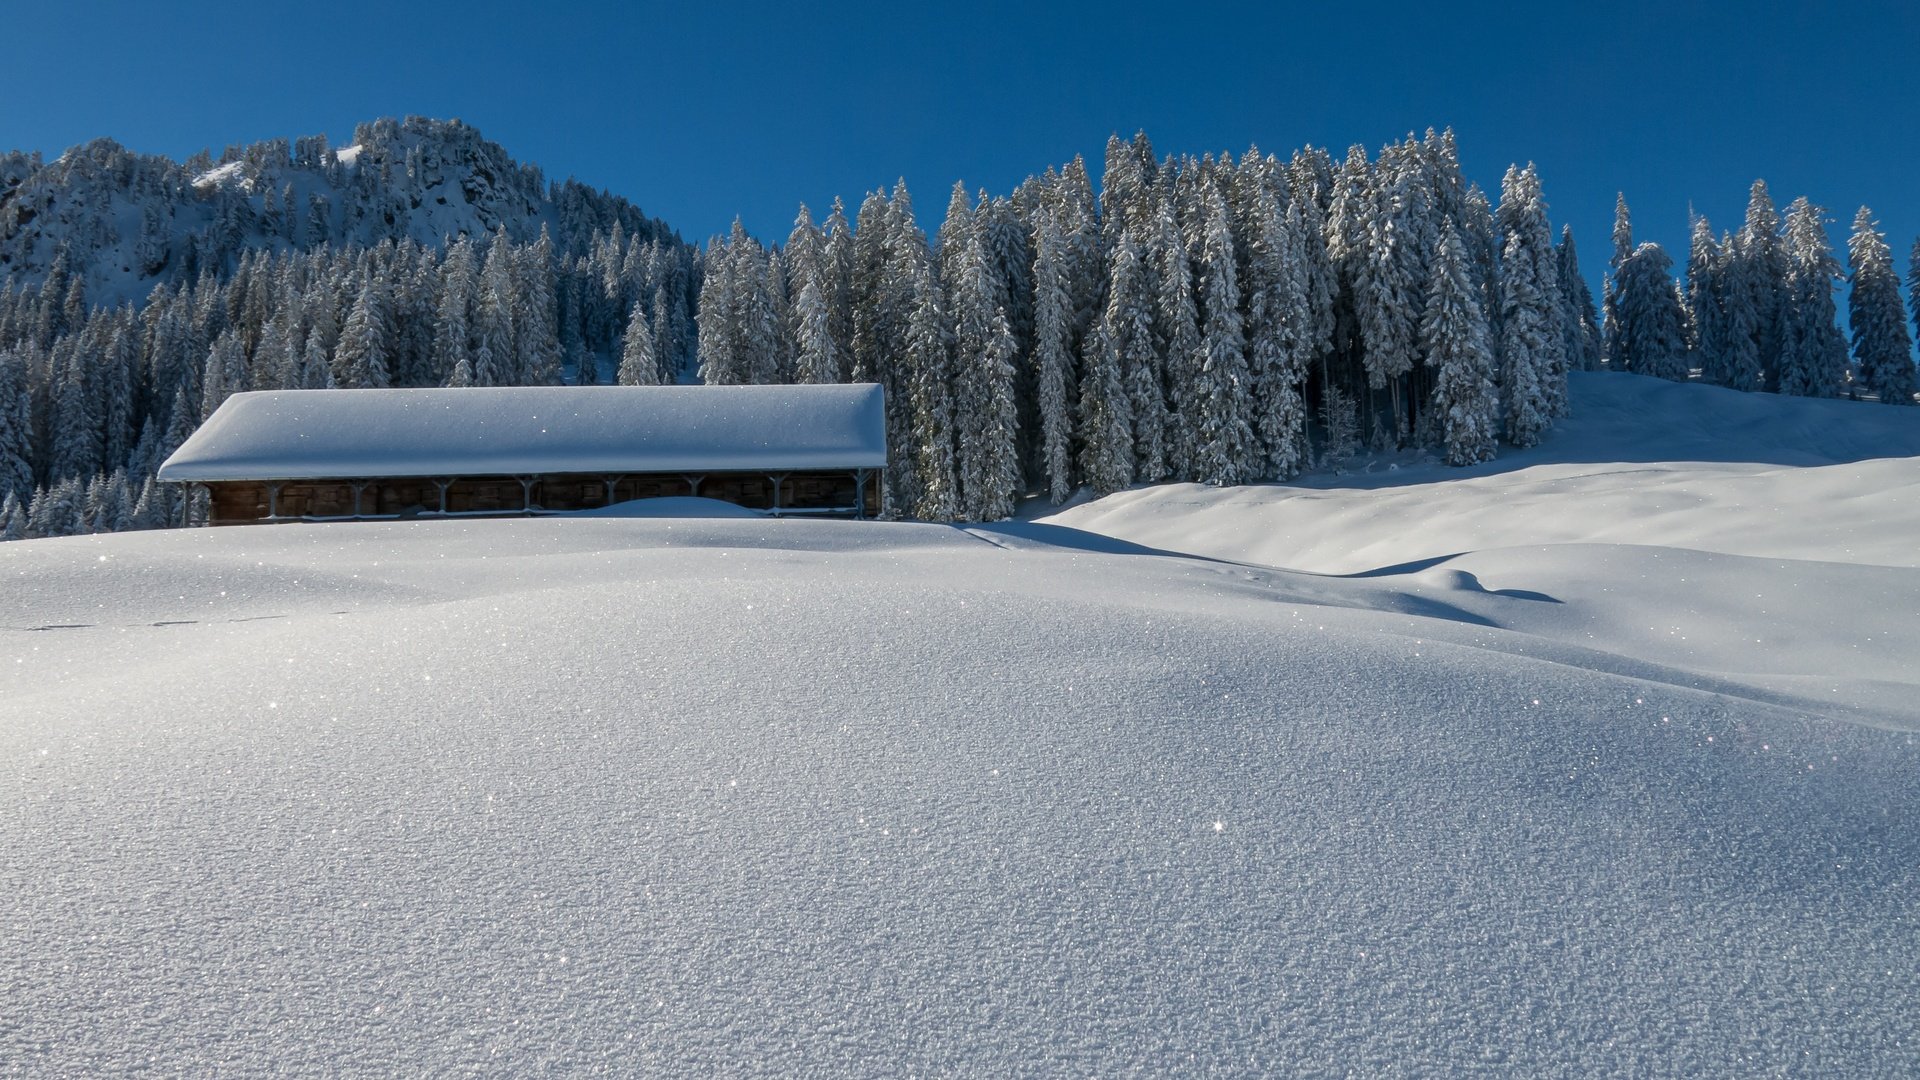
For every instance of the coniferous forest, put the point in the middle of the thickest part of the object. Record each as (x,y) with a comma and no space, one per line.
(1216,320)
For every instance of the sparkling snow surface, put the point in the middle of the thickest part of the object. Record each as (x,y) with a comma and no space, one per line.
(725,797)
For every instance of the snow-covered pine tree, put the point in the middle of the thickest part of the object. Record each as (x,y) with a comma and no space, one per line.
(1482,241)
(93,505)
(56,510)
(117,508)
(1276,321)
(364,357)
(1737,366)
(1177,327)
(13,518)
(836,285)
(1106,418)
(150,509)
(816,359)
(993,484)
(780,300)
(867,309)
(929,363)
(1532,360)
(225,373)
(1122,187)
(1706,310)
(73,418)
(1612,344)
(1647,327)
(1223,438)
(1340,428)
(986,444)
(950,244)
(586,363)
(539,333)
(904,253)
(639,365)
(1126,329)
(806,334)
(16,427)
(156,229)
(1010,265)
(1813,353)
(1882,348)
(1386,286)
(1760,249)
(1453,337)
(496,318)
(1582,329)
(1913,287)
(319,220)
(718,318)
(317,374)
(1080,228)
(1053,355)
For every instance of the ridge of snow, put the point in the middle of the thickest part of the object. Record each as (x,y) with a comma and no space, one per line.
(231,171)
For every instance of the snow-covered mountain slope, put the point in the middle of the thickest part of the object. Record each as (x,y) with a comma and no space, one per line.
(127,221)
(1640,461)
(743,796)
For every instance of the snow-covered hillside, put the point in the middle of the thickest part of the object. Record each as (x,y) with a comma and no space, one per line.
(743,796)
(1640,461)
(127,221)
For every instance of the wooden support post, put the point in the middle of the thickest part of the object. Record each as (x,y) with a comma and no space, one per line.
(359,486)
(778,479)
(610,481)
(273,500)
(526,494)
(693,483)
(860,494)
(443,485)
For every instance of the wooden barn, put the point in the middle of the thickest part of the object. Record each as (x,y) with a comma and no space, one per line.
(333,455)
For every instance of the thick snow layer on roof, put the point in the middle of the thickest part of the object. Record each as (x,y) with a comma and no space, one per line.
(315,434)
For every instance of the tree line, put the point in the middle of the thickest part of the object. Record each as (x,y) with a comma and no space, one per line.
(1223,321)
(1198,319)
(93,400)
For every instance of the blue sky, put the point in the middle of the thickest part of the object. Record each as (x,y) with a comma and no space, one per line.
(700,112)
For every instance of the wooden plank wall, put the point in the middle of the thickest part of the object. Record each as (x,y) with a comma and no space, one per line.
(239,502)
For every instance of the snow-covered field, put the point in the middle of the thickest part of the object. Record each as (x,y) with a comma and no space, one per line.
(1571,765)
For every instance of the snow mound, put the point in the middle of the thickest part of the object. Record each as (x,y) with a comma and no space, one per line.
(671,506)
(738,797)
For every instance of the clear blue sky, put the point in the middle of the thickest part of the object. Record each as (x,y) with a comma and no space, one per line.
(703,111)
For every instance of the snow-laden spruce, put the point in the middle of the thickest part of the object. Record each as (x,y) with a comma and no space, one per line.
(1453,337)
(1813,354)
(1533,367)
(1882,348)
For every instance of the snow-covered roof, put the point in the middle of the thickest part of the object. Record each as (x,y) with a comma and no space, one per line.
(495,431)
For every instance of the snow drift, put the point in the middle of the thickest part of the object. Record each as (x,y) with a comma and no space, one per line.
(549,796)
